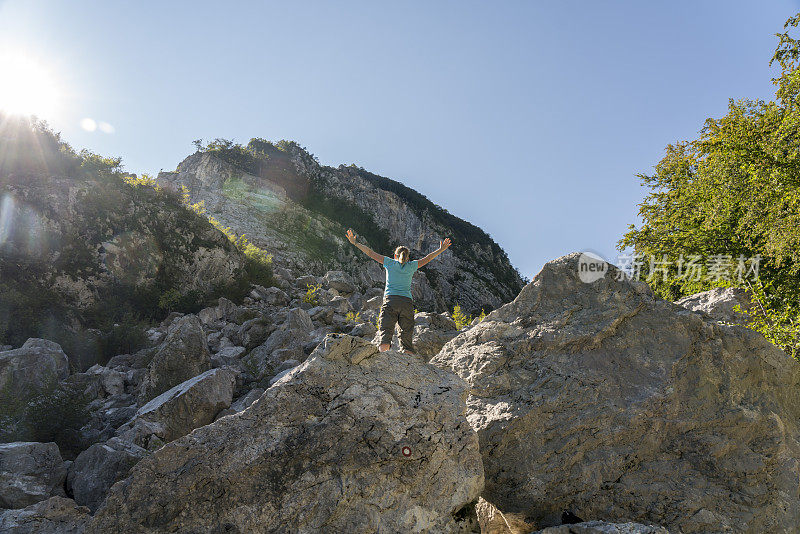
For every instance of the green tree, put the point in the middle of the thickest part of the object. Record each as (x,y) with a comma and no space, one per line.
(735,190)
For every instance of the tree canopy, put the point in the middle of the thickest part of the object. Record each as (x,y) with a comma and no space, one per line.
(733,192)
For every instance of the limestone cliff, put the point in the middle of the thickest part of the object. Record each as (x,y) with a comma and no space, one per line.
(298,210)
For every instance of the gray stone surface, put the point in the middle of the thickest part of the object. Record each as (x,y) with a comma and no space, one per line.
(601,527)
(320,451)
(179,410)
(340,281)
(97,468)
(599,398)
(291,335)
(56,515)
(718,303)
(39,363)
(30,472)
(431,332)
(183,355)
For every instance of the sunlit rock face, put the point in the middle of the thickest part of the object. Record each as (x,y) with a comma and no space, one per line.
(602,399)
(299,210)
(352,440)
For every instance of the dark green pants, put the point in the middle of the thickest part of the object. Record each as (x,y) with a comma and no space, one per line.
(397,309)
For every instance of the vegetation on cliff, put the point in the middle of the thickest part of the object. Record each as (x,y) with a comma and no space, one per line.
(89,254)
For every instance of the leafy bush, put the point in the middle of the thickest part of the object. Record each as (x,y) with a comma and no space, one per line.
(780,326)
(462,319)
(312,295)
(352,317)
(125,337)
(55,413)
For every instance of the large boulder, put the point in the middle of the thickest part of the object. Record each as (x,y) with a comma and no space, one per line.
(97,468)
(340,281)
(271,296)
(56,515)
(179,410)
(36,365)
(30,472)
(602,399)
(601,527)
(283,343)
(353,440)
(719,304)
(183,355)
(432,331)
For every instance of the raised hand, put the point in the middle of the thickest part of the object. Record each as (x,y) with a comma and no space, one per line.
(351,236)
(443,245)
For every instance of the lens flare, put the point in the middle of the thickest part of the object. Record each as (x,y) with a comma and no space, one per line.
(6,211)
(27,87)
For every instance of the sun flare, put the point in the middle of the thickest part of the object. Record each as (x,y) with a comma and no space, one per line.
(26,87)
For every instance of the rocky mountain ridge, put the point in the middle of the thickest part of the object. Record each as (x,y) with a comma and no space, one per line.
(298,210)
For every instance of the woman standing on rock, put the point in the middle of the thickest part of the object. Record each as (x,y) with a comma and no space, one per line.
(398,305)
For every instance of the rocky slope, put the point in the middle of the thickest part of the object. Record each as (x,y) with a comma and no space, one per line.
(594,401)
(298,210)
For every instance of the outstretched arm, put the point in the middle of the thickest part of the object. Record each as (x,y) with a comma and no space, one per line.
(351,236)
(443,245)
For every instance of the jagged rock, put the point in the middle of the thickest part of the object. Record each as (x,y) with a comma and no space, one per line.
(356,300)
(599,398)
(340,281)
(321,313)
(223,311)
(97,468)
(365,330)
(278,376)
(601,527)
(718,303)
(183,355)
(493,521)
(56,515)
(431,332)
(39,363)
(229,356)
(291,335)
(253,333)
(373,303)
(376,291)
(352,440)
(271,296)
(340,305)
(304,281)
(183,408)
(246,400)
(30,472)
(242,402)
(155,335)
(110,381)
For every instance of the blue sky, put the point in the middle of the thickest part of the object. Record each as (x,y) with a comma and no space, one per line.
(529,119)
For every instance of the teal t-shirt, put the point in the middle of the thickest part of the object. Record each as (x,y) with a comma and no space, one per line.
(398,276)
